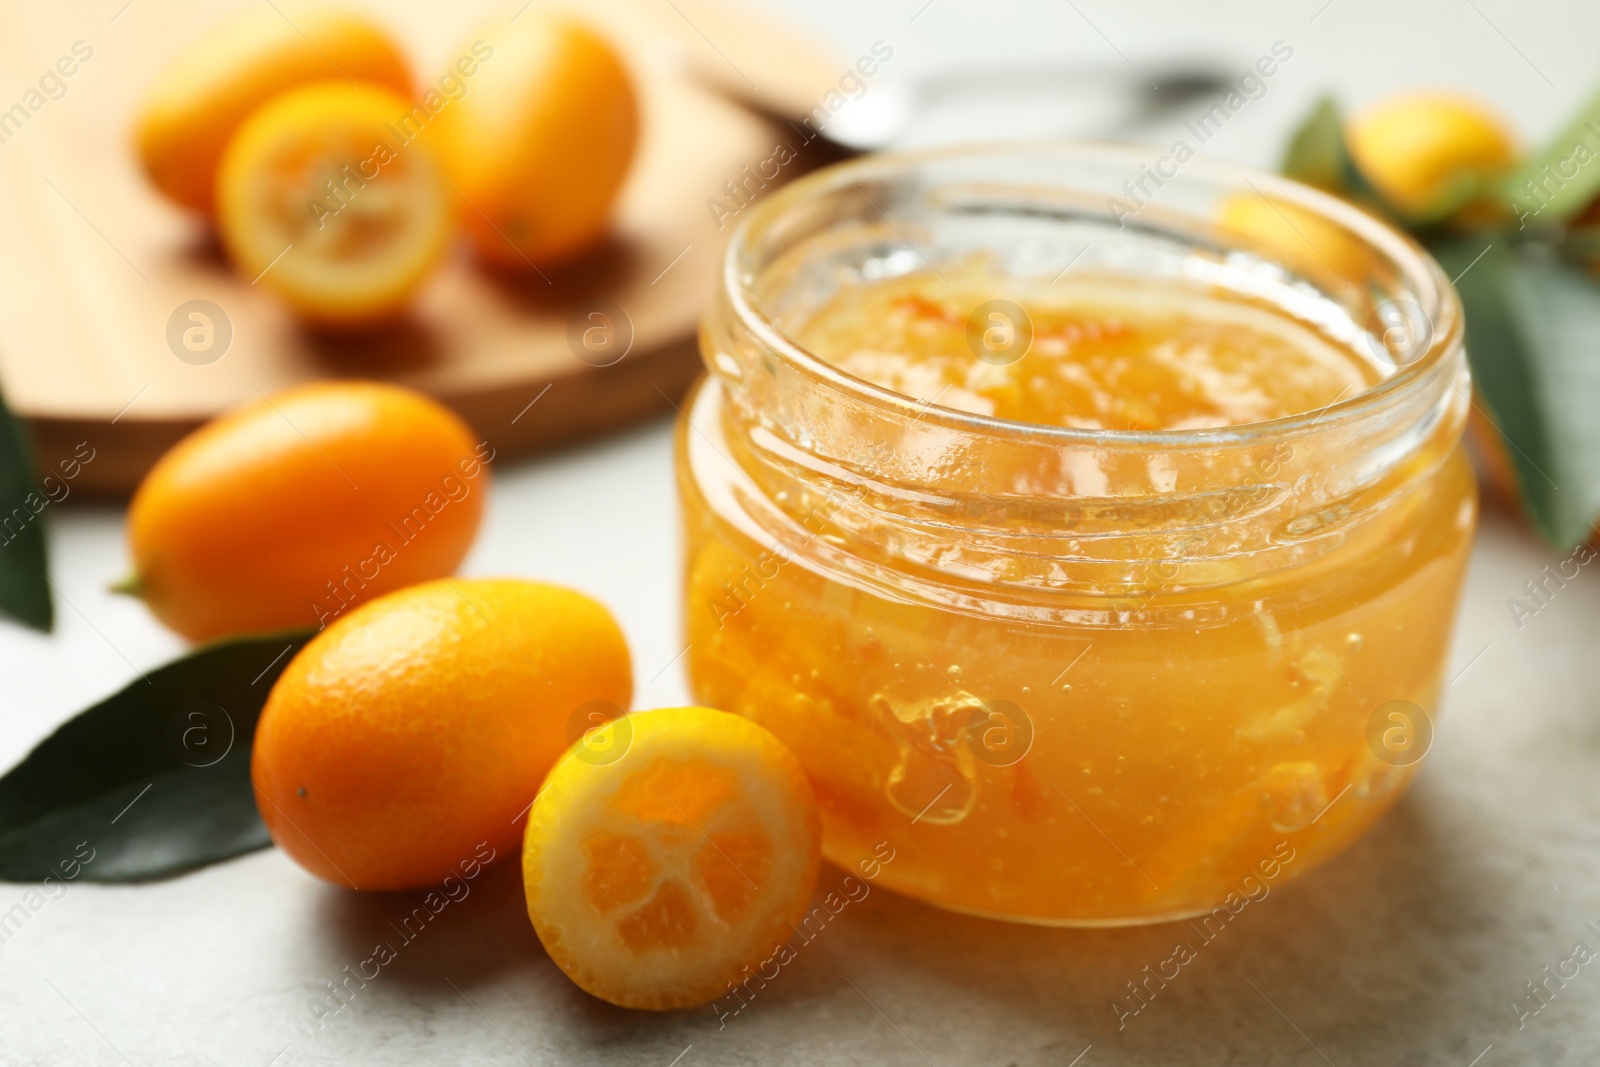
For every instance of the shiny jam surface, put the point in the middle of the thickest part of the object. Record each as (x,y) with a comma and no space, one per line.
(1066,752)
(1101,354)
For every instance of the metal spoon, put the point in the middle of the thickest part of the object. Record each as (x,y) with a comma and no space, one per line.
(880,116)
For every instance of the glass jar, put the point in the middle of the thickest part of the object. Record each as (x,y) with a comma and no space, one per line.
(1077,676)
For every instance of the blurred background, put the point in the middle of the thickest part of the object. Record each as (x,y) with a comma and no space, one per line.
(1529,61)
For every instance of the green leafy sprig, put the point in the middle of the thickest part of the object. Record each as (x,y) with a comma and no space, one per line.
(1523,254)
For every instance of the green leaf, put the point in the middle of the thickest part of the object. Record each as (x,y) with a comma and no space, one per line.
(1531,323)
(1318,154)
(152,781)
(24,585)
(1555,184)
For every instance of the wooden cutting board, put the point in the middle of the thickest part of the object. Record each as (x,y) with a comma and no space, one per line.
(93,265)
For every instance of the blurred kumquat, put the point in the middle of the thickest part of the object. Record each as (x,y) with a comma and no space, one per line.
(540,147)
(1429,152)
(321,201)
(202,96)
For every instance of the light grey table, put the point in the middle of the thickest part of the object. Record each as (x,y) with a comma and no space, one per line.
(1413,948)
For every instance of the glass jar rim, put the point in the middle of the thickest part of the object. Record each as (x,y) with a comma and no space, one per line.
(1423,275)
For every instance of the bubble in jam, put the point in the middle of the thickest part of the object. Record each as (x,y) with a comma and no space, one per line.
(934,778)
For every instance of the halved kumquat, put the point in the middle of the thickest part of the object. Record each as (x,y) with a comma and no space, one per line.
(668,851)
(323,200)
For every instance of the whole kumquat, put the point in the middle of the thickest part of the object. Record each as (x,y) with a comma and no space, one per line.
(413,731)
(540,147)
(1428,152)
(288,511)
